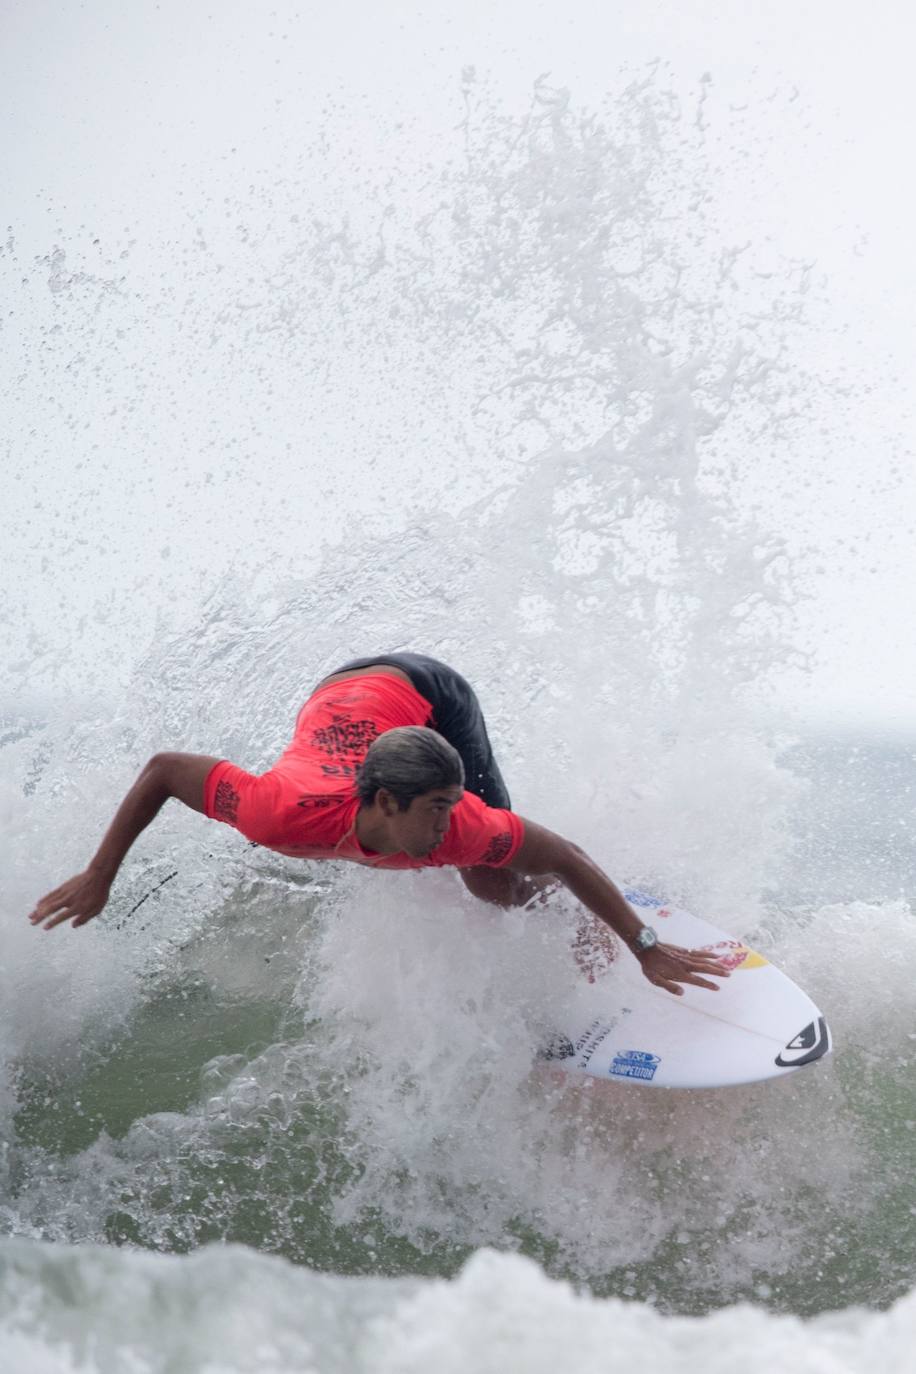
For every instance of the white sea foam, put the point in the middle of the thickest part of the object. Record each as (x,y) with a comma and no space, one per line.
(231,1311)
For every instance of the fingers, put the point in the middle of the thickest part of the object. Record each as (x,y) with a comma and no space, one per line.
(697,982)
(697,961)
(669,967)
(698,958)
(48,908)
(57,920)
(52,915)
(706,963)
(76,901)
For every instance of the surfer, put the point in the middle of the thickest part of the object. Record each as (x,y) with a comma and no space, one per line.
(390,766)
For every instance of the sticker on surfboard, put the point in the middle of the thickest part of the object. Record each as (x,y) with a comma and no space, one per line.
(810,1044)
(639,1064)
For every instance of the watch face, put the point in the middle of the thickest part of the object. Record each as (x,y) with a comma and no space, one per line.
(646,939)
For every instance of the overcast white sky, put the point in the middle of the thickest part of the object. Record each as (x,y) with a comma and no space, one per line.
(109,108)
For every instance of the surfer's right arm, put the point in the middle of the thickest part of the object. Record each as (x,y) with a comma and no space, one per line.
(166,775)
(543,852)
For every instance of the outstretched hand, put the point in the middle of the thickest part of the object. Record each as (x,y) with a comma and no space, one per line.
(669,965)
(77,900)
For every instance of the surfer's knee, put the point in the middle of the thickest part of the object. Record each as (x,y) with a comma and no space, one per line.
(501,886)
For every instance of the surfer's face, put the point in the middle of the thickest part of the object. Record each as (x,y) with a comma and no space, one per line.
(424,825)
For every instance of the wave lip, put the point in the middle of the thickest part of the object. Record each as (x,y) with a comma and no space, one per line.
(229,1310)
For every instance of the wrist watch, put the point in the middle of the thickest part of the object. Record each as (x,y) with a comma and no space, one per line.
(645,938)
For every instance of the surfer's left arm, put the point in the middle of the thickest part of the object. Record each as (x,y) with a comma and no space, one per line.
(543,852)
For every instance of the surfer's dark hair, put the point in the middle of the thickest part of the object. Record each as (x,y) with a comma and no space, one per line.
(408,761)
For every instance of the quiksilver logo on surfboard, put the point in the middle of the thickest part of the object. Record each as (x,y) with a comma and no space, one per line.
(805,1047)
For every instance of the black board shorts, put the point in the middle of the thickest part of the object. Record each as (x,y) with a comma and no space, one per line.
(456,716)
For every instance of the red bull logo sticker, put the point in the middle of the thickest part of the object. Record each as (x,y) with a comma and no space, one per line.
(734,954)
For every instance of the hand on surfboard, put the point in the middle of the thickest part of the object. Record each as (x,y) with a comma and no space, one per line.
(596,947)
(667,966)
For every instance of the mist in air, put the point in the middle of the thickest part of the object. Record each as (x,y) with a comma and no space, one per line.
(553,346)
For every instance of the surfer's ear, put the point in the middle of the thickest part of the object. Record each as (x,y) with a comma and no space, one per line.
(387,801)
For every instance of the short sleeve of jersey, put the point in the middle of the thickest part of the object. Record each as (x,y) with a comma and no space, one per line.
(243,800)
(479,835)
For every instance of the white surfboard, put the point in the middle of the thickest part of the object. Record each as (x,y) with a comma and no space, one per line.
(621,1028)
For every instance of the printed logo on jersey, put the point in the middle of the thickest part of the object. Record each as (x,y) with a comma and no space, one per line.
(498,848)
(345,736)
(226,803)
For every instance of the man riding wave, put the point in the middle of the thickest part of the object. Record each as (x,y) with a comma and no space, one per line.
(390,766)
